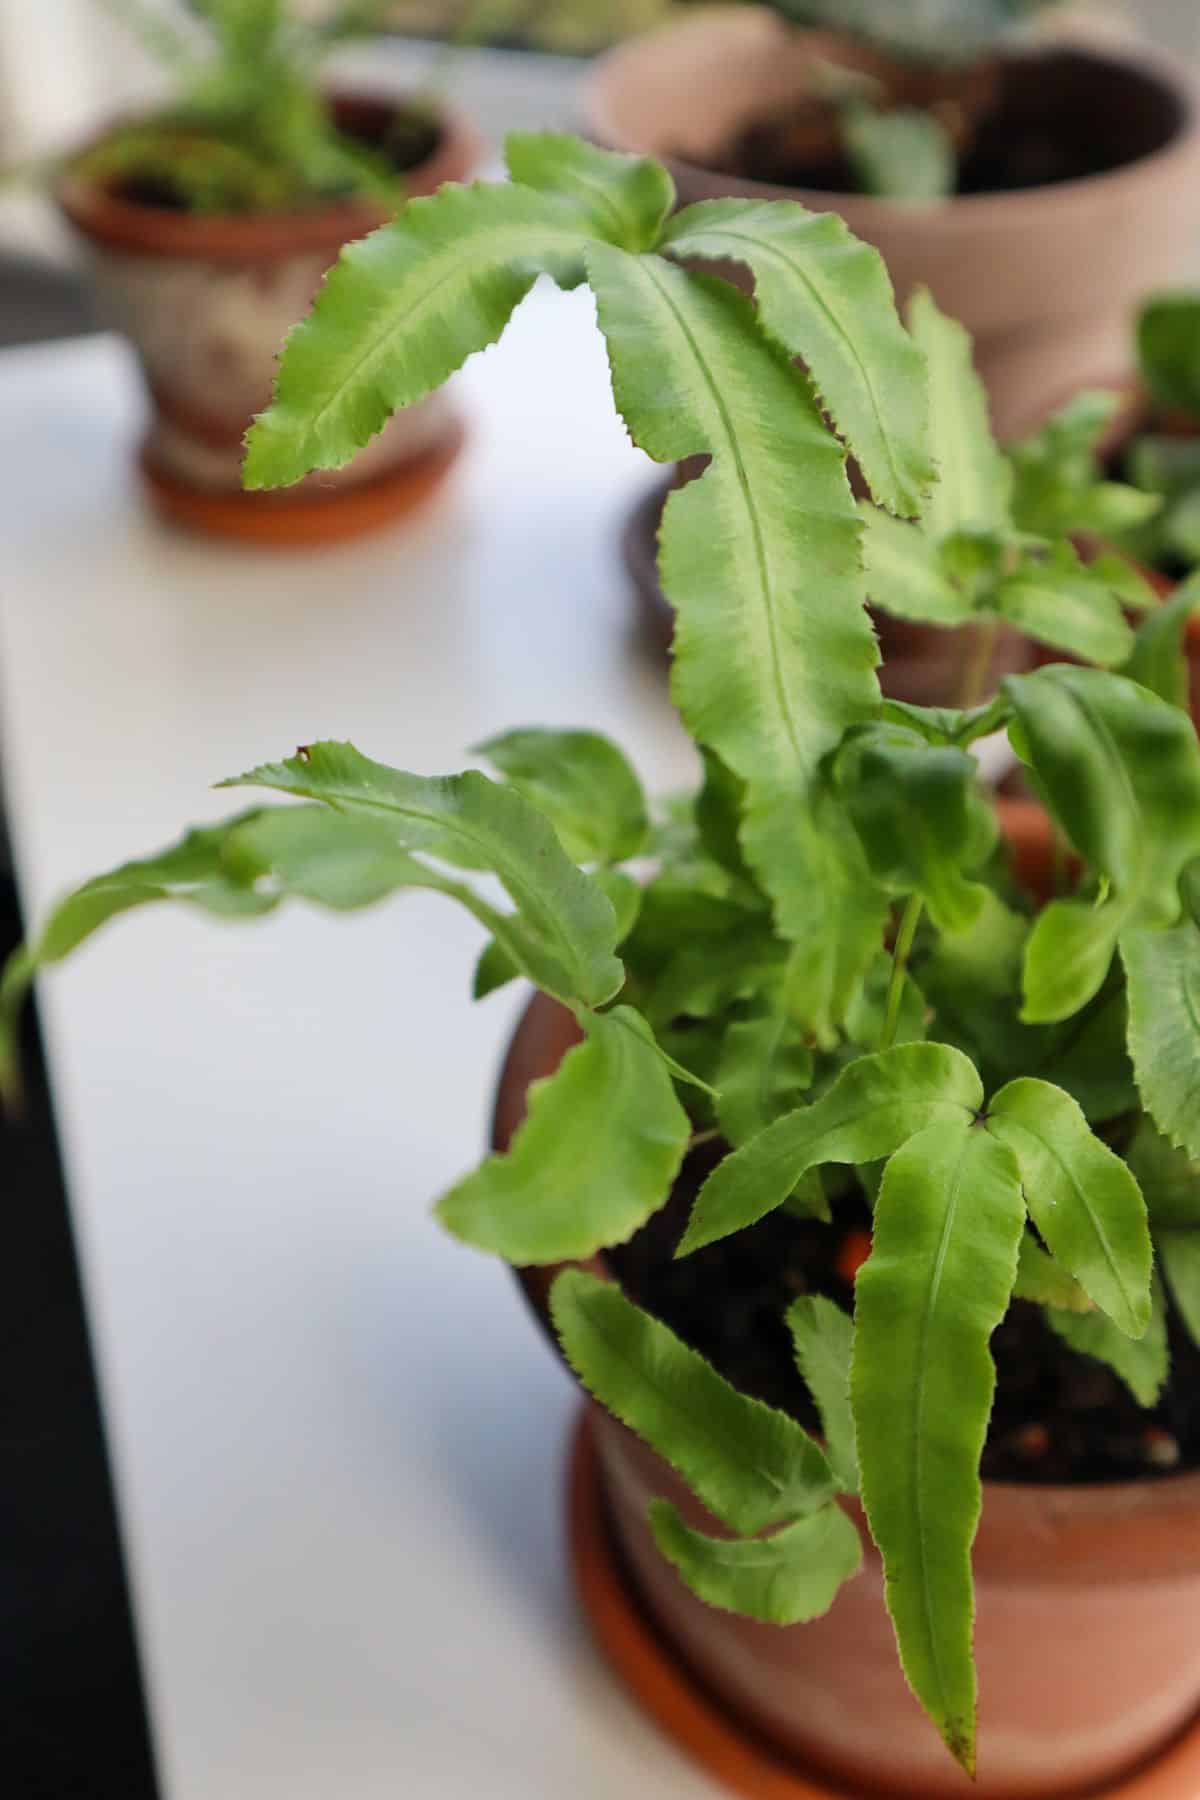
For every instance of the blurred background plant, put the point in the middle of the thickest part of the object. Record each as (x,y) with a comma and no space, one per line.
(249,128)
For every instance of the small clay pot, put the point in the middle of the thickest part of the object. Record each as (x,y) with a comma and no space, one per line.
(1088,1625)
(1043,277)
(922,664)
(206,303)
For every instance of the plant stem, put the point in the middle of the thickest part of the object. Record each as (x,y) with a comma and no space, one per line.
(980,661)
(904,942)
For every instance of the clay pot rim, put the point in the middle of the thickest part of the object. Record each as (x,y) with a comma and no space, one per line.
(118,224)
(1025,1511)
(1000,210)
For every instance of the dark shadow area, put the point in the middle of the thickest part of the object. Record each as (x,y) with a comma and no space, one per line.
(72,1715)
(39,301)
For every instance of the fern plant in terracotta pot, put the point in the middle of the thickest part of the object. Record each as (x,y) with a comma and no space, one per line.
(210,223)
(1058,167)
(849,1147)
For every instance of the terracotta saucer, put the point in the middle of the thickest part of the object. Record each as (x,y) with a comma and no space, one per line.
(681,1707)
(312,516)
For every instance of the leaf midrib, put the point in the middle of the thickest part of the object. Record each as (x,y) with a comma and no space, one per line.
(797,269)
(463,254)
(492,849)
(918,1441)
(697,1422)
(733,447)
(1011,1124)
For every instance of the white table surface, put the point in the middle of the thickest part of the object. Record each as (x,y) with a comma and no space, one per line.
(338,1437)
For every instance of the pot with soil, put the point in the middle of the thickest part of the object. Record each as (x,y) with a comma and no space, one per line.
(1072,173)
(1087,1562)
(210,228)
(807,1044)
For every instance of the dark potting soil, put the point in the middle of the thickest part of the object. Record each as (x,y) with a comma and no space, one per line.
(1006,157)
(1061,117)
(1058,1417)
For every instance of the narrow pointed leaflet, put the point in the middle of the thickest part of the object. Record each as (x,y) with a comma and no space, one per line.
(948,1225)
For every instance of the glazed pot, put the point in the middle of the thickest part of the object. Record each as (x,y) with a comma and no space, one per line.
(1088,1623)
(922,664)
(1044,278)
(206,302)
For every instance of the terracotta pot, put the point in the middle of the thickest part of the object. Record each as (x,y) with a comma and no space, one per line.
(1044,278)
(923,664)
(1088,1625)
(206,303)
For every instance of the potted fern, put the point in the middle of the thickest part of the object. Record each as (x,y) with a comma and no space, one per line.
(850,1154)
(1029,188)
(210,223)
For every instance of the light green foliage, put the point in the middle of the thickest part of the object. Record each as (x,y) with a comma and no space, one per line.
(1166,464)
(400,311)
(1179,1252)
(1157,660)
(473,823)
(773,651)
(1040,1279)
(752,1467)
(496,966)
(874,1106)
(1141,1363)
(825,296)
(948,1226)
(823,1338)
(1059,485)
(1163,970)
(569,1185)
(993,541)
(766,1066)
(823,958)
(582,783)
(969,977)
(867,1015)
(784,1579)
(774,654)
(193,871)
(250,129)
(1059,601)
(627,199)
(975,483)
(903,154)
(1081,1197)
(905,575)
(921,822)
(1169,1180)
(1121,770)
(827,904)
